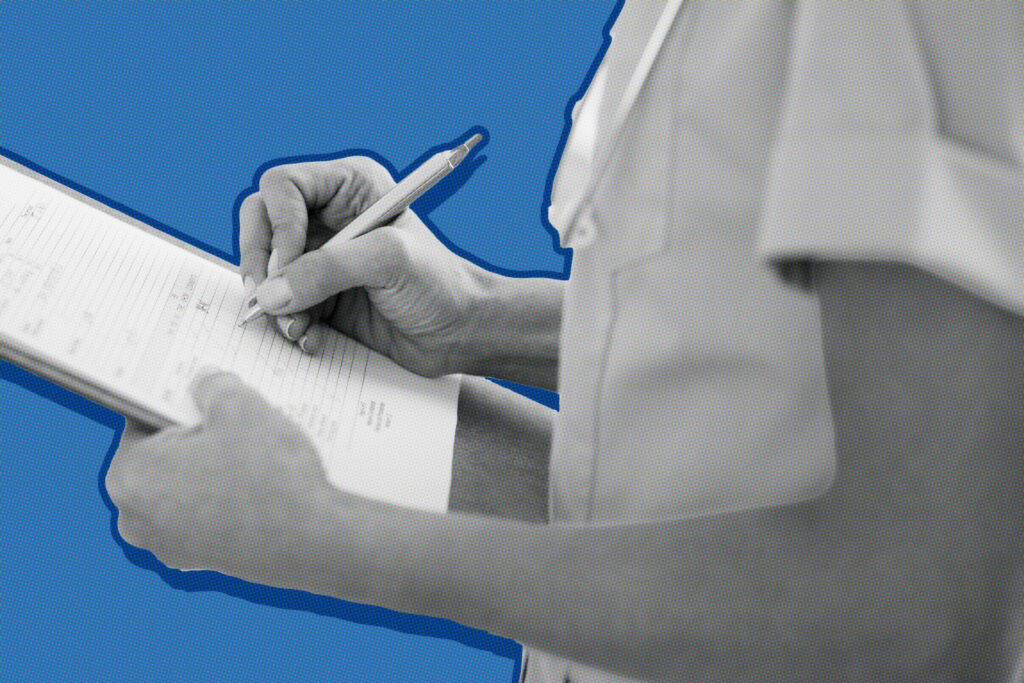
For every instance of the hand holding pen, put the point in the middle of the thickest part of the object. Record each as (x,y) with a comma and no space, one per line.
(330,243)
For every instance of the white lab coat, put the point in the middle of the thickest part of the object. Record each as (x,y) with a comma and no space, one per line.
(691,377)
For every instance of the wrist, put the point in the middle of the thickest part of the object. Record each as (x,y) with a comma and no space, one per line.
(437,565)
(515,330)
(389,556)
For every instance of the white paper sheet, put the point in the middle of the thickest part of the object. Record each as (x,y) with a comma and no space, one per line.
(138,315)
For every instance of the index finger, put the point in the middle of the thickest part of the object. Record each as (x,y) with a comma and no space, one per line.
(289,193)
(254,233)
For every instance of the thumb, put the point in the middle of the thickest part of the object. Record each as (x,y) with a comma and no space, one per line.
(374,260)
(220,394)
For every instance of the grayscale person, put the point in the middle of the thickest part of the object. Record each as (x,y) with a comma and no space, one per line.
(754,162)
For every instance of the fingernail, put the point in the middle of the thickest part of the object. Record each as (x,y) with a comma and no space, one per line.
(249,287)
(305,344)
(274,294)
(274,264)
(287,323)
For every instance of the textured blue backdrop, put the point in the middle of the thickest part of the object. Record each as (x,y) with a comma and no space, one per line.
(166,110)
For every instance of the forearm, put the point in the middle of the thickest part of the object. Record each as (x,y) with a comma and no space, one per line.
(517,330)
(613,597)
(901,571)
(898,570)
(658,601)
(804,592)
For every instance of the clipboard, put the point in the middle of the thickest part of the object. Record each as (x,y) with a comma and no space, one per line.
(25,357)
(364,413)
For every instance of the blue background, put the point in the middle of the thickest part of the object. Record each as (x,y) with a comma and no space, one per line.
(166,110)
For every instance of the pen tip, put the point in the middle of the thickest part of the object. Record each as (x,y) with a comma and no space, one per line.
(252,313)
(470,143)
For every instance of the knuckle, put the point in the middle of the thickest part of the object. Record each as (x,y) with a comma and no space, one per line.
(394,246)
(371,170)
(249,204)
(131,528)
(342,168)
(362,163)
(125,475)
(114,484)
(274,176)
(124,529)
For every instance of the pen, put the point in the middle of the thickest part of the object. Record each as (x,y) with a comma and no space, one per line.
(428,174)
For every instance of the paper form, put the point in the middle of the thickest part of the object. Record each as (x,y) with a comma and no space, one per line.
(137,315)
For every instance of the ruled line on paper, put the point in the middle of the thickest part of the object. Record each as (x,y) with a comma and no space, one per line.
(100,299)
